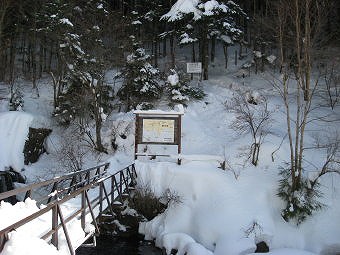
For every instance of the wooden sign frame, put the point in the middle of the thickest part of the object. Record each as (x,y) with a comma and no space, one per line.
(166,127)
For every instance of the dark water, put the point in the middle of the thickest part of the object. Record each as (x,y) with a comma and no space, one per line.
(110,245)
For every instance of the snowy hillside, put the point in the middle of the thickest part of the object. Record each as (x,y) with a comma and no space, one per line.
(225,211)
(221,212)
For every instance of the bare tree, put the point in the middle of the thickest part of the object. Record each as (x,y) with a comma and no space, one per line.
(252,116)
(331,162)
(72,151)
(332,89)
(297,89)
(296,119)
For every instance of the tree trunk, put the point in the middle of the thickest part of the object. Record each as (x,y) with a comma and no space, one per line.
(213,49)
(172,51)
(99,144)
(307,49)
(12,60)
(204,52)
(225,50)
(164,47)
(41,59)
(156,51)
(193,58)
(98,119)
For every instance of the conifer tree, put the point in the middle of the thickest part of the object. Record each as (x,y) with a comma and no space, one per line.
(140,78)
(211,20)
(86,96)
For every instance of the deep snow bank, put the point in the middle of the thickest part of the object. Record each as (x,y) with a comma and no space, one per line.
(14,128)
(225,215)
(26,239)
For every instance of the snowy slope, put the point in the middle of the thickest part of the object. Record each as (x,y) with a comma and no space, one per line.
(228,215)
(218,208)
(14,130)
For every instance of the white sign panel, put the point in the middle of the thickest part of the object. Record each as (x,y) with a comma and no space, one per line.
(158,131)
(194,67)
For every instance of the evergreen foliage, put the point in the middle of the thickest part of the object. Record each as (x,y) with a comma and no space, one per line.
(301,202)
(85,94)
(179,90)
(141,80)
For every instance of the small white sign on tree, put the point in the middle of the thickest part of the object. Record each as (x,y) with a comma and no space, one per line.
(195,67)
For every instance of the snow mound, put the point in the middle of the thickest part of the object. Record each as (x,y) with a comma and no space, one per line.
(226,215)
(20,243)
(14,128)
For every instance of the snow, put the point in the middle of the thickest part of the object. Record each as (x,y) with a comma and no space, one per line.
(179,110)
(36,245)
(28,235)
(14,128)
(66,21)
(217,211)
(220,212)
(210,6)
(173,79)
(185,39)
(271,59)
(286,251)
(226,39)
(182,7)
(257,54)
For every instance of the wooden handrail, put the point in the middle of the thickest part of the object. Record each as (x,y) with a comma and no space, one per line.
(15,192)
(58,220)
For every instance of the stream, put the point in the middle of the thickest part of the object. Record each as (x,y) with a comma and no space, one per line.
(112,245)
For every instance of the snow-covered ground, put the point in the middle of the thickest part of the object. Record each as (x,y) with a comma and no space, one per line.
(220,212)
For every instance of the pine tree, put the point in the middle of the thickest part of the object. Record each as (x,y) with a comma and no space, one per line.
(179,90)
(141,79)
(86,96)
(208,21)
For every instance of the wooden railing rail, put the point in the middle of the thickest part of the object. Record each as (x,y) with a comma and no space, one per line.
(110,188)
(55,182)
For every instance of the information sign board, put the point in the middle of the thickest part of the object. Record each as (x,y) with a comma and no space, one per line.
(195,67)
(158,131)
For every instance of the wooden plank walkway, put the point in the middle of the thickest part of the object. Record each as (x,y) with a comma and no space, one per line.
(94,188)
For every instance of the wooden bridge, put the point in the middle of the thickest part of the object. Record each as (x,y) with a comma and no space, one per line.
(94,191)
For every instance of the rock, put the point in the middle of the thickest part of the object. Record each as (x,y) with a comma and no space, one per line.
(6,183)
(261,247)
(34,145)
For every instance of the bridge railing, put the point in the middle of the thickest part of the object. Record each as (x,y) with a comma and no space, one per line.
(95,190)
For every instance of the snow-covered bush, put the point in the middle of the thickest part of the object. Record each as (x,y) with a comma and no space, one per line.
(300,202)
(145,201)
(72,152)
(122,134)
(179,90)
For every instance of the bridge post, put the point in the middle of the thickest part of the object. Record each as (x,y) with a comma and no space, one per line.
(112,188)
(54,239)
(3,239)
(83,208)
(121,185)
(100,199)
